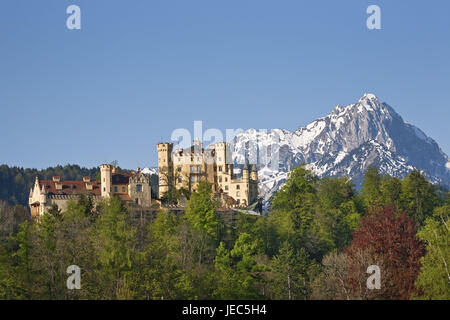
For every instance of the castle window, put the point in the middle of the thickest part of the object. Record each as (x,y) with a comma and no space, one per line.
(116,189)
(226,188)
(220,168)
(198,168)
(192,168)
(123,189)
(179,169)
(220,179)
(238,187)
(139,188)
(226,179)
(238,193)
(238,201)
(180,179)
(192,179)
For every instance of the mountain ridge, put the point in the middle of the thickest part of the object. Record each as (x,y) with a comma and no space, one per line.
(345,142)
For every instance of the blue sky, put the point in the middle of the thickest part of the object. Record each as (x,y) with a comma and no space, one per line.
(139,69)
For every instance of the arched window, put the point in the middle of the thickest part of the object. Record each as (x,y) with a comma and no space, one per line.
(139,188)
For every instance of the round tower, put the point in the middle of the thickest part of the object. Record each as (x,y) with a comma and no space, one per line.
(165,167)
(245,175)
(254,173)
(106,179)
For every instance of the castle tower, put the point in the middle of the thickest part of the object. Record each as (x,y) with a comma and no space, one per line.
(197,144)
(106,180)
(34,190)
(165,167)
(245,175)
(254,174)
(43,195)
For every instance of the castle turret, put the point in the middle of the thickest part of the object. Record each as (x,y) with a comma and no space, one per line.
(34,188)
(245,174)
(165,167)
(106,180)
(254,173)
(43,195)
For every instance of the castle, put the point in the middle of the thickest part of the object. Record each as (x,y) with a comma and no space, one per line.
(133,188)
(185,168)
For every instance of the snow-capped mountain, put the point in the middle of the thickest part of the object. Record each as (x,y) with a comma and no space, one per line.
(345,142)
(150,171)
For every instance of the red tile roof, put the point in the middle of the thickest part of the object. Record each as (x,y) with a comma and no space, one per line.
(71,187)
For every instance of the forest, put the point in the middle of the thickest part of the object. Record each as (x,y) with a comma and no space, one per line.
(316,242)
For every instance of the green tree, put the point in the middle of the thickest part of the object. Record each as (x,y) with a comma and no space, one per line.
(201,216)
(418,196)
(9,287)
(292,273)
(434,278)
(238,272)
(391,190)
(164,269)
(115,248)
(371,190)
(293,211)
(22,259)
(337,215)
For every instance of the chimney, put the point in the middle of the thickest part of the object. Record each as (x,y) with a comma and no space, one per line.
(86,179)
(56,179)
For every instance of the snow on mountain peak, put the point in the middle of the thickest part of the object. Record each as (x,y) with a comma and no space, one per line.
(368,102)
(369,96)
(150,171)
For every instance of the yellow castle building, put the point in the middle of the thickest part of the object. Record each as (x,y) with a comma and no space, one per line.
(133,188)
(185,168)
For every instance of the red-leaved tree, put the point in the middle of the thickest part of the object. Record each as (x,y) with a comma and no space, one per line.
(388,239)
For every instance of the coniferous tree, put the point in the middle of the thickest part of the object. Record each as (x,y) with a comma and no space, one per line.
(434,278)
(418,196)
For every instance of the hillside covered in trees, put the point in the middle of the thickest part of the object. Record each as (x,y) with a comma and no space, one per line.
(315,243)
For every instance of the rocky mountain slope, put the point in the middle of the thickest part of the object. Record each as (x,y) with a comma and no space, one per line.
(345,142)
